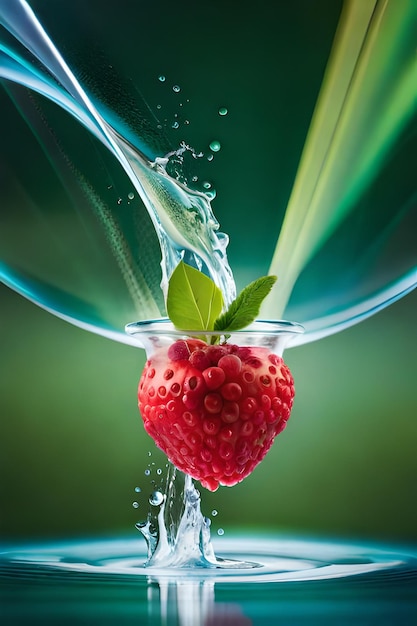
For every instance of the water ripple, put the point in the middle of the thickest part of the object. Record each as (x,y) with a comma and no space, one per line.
(278,560)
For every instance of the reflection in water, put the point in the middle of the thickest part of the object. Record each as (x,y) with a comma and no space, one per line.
(190,603)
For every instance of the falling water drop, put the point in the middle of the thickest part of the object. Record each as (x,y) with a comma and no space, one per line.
(215,146)
(223,111)
(131,195)
(220,532)
(135,504)
(175,125)
(156,498)
(176,88)
(206,185)
(214,512)
(161,77)
(147,472)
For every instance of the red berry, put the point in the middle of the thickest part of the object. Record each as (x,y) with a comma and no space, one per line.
(200,360)
(214,377)
(215,410)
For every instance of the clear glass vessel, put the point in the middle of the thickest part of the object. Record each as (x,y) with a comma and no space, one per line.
(176,532)
(274,335)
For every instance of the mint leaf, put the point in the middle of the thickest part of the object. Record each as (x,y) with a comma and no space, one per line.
(193,301)
(245,309)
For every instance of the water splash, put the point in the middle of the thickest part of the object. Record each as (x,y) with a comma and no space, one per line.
(339,257)
(283,559)
(183,220)
(176,532)
(381,578)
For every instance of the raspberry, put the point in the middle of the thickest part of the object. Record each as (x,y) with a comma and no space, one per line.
(215,410)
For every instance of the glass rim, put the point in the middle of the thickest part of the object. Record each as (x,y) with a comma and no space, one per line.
(164,325)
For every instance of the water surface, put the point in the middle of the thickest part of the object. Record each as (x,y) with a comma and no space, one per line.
(298,581)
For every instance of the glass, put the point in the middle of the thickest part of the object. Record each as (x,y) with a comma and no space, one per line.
(176,532)
(274,335)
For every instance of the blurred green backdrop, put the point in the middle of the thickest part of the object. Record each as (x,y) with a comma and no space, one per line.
(72,448)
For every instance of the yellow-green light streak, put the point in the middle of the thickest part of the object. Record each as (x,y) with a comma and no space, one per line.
(367,98)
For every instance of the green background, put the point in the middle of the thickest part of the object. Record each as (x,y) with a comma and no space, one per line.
(72,447)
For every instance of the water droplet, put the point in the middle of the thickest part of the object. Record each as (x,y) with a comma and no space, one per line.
(156,498)
(159,471)
(138,489)
(223,111)
(215,146)
(161,77)
(119,201)
(214,512)
(147,472)
(210,157)
(131,195)
(109,186)
(149,453)
(135,505)
(180,104)
(186,122)
(159,106)
(194,179)
(176,88)
(159,126)
(175,125)
(206,184)
(220,532)
(140,525)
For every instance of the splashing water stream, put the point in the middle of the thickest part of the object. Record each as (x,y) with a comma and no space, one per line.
(178,535)
(183,219)
(363,117)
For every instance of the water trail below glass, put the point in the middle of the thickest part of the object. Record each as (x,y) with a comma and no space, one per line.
(176,532)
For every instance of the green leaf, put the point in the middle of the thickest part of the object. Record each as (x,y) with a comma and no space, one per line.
(194,301)
(245,309)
